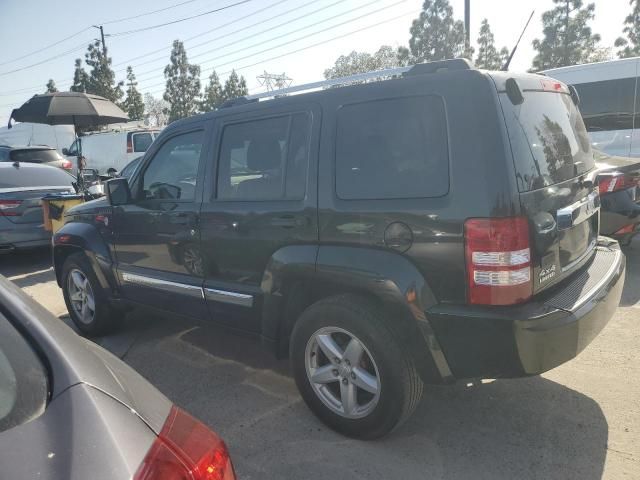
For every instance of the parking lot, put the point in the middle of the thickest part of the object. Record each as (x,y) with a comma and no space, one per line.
(581,420)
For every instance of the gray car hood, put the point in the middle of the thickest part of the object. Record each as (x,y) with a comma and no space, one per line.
(73,360)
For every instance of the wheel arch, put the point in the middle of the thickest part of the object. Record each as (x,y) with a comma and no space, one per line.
(84,238)
(298,276)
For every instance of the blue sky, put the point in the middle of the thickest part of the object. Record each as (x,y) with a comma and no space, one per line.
(299,37)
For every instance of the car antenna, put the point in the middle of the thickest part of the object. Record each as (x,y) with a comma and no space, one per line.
(508,62)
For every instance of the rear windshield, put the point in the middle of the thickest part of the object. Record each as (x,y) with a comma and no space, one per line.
(13,177)
(548,139)
(34,156)
(23,379)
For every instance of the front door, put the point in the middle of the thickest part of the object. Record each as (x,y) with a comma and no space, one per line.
(157,236)
(264,199)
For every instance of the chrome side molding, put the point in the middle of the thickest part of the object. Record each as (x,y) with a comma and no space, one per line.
(228,297)
(210,294)
(578,212)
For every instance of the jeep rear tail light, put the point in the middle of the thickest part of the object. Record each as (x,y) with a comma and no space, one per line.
(498,260)
(67,165)
(186,450)
(129,145)
(9,208)
(615,182)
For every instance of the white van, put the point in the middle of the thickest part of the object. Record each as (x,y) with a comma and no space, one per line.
(609,103)
(108,151)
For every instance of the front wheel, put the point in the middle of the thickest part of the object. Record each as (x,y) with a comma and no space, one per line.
(350,369)
(88,306)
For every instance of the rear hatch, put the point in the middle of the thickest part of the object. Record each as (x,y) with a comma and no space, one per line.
(555,173)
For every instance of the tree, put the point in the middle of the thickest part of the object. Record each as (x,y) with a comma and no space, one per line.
(235,86)
(435,35)
(51,86)
(362,62)
(80,78)
(488,56)
(133,104)
(631,44)
(101,80)
(183,84)
(155,111)
(213,94)
(568,39)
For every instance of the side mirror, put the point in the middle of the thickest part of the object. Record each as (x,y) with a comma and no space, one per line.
(118,192)
(65,151)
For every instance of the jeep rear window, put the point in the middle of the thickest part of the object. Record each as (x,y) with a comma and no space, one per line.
(548,139)
(393,148)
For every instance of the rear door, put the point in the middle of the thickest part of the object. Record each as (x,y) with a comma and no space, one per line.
(555,174)
(263,198)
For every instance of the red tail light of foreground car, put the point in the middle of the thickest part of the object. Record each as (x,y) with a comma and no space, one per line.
(186,450)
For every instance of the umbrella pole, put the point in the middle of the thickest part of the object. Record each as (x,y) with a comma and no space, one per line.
(79,177)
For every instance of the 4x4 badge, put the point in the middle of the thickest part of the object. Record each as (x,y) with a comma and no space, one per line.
(547,273)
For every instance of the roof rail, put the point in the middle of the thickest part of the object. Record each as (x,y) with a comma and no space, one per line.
(234,102)
(419,69)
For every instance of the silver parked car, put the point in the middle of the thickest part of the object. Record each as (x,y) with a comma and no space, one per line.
(71,410)
(36,154)
(22,186)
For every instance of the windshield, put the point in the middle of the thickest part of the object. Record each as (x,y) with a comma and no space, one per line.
(548,139)
(23,379)
(35,156)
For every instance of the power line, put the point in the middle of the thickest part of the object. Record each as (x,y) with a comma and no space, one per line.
(276,57)
(129,32)
(234,42)
(47,47)
(69,81)
(147,13)
(290,41)
(74,49)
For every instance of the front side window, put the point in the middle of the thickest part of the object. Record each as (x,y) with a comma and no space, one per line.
(172,172)
(141,142)
(265,159)
(395,148)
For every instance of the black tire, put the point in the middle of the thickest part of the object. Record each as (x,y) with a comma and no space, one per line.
(400,385)
(105,318)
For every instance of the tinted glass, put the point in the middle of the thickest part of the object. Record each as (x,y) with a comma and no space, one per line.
(130,167)
(607,105)
(23,379)
(44,176)
(548,139)
(34,156)
(4,154)
(393,148)
(172,173)
(264,159)
(141,142)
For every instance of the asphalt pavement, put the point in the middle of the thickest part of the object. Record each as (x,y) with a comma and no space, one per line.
(578,421)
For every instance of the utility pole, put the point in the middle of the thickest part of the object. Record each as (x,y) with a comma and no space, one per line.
(104,46)
(467,23)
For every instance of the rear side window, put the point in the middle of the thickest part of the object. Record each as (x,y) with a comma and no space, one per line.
(23,379)
(607,105)
(41,176)
(265,159)
(34,156)
(395,148)
(548,139)
(141,142)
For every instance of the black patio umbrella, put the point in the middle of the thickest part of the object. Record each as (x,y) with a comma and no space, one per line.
(69,108)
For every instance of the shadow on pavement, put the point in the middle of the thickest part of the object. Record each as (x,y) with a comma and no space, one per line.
(527,428)
(631,292)
(25,262)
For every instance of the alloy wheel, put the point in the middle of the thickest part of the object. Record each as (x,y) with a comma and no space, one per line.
(81,296)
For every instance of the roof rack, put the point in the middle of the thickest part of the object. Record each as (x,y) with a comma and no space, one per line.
(419,69)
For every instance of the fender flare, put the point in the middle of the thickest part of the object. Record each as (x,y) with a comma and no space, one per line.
(388,276)
(76,236)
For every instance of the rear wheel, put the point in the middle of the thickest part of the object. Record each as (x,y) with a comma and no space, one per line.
(88,306)
(350,369)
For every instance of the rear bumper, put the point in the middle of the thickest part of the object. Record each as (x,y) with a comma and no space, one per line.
(15,235)
(494,342)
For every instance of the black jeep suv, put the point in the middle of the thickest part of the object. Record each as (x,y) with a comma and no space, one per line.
(438,225)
